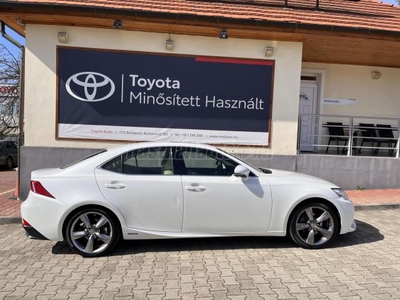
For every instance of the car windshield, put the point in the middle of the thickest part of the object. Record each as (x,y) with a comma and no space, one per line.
(82,159)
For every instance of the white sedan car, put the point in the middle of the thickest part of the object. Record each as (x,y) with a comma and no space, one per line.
(170,190)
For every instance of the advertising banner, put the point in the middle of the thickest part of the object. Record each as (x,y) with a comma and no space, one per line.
(112,95)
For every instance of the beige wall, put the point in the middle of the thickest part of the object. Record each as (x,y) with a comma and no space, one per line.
(41,42)
(374,97)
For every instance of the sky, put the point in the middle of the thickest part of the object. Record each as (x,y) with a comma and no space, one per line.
(390,1)
(14,49)
(20,39)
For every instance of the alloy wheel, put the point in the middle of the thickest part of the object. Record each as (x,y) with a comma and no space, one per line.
(91,232)
(314,226)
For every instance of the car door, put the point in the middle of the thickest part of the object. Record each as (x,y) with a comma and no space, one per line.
(142,185)
(216,201)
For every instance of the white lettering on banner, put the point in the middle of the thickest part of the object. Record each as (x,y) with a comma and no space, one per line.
(194,101)
(253,103)
(159,83)
(174,100)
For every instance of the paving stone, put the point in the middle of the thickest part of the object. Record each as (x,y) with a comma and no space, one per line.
(237,297)
(79,296)
(217,286)
(156,289)
(200,282)
(171,293)
(361,265)
(234,290)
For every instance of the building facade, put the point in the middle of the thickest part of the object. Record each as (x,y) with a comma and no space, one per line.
(257,78)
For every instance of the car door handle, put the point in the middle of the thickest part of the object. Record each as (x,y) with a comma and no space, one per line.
(195,188)
(115,185)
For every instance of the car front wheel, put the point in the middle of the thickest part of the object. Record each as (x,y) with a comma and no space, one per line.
(313,225)
(92,232)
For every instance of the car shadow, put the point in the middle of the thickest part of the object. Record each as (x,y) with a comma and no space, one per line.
(365,233)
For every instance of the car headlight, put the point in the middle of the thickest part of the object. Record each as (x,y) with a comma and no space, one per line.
(341,193)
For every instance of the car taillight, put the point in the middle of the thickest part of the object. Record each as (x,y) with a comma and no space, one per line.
(38,188)
(25,223)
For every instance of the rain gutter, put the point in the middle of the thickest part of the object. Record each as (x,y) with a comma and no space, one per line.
(62,8)
(21,96)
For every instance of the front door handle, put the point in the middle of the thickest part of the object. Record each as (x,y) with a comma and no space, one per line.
(195,188)
(114,185)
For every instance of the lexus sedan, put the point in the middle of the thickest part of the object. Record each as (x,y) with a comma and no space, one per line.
(170,190)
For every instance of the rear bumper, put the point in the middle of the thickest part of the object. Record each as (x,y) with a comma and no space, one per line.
(32,233)
(44,215)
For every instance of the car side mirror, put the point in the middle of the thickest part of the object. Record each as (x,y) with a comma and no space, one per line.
(241,171)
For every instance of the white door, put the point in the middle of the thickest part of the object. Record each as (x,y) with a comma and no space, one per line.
(217,202)
(142,185)
(307,107)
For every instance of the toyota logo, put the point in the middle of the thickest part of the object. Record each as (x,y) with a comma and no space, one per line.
(90,86)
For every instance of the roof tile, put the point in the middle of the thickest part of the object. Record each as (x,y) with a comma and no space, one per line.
(369,14)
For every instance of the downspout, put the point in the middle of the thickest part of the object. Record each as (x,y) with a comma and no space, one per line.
(21,97)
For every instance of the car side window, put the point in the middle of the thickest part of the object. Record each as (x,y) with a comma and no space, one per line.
(204,162)
(114,165)
(149,161)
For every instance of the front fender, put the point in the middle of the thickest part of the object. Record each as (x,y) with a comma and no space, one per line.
(286,200)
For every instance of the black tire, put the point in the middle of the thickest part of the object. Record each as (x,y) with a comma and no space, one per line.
(96,232)
(9,163)
(313,225)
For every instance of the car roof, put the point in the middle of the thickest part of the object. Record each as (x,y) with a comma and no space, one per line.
(105,155)
(133,146)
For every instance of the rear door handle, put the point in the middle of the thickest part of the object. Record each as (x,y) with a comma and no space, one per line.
(115,185)
(195,188)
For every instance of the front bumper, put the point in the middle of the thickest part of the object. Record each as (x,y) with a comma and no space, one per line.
(346,210)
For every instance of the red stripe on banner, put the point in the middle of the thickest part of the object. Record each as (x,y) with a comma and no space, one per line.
(235,61)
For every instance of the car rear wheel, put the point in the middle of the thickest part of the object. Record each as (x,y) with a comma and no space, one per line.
(9,163)
(92,232)
(313,225)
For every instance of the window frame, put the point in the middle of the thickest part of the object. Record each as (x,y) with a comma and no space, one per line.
(139,151)
(215,154)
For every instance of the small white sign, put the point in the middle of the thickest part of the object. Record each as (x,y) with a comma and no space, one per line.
(334,101)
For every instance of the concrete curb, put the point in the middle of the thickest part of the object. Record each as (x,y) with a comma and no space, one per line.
(10,220)
(376,207)
(17,220)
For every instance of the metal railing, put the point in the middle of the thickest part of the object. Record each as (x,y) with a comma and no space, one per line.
(350,135)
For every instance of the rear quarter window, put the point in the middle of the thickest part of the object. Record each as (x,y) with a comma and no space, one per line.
(82,159)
